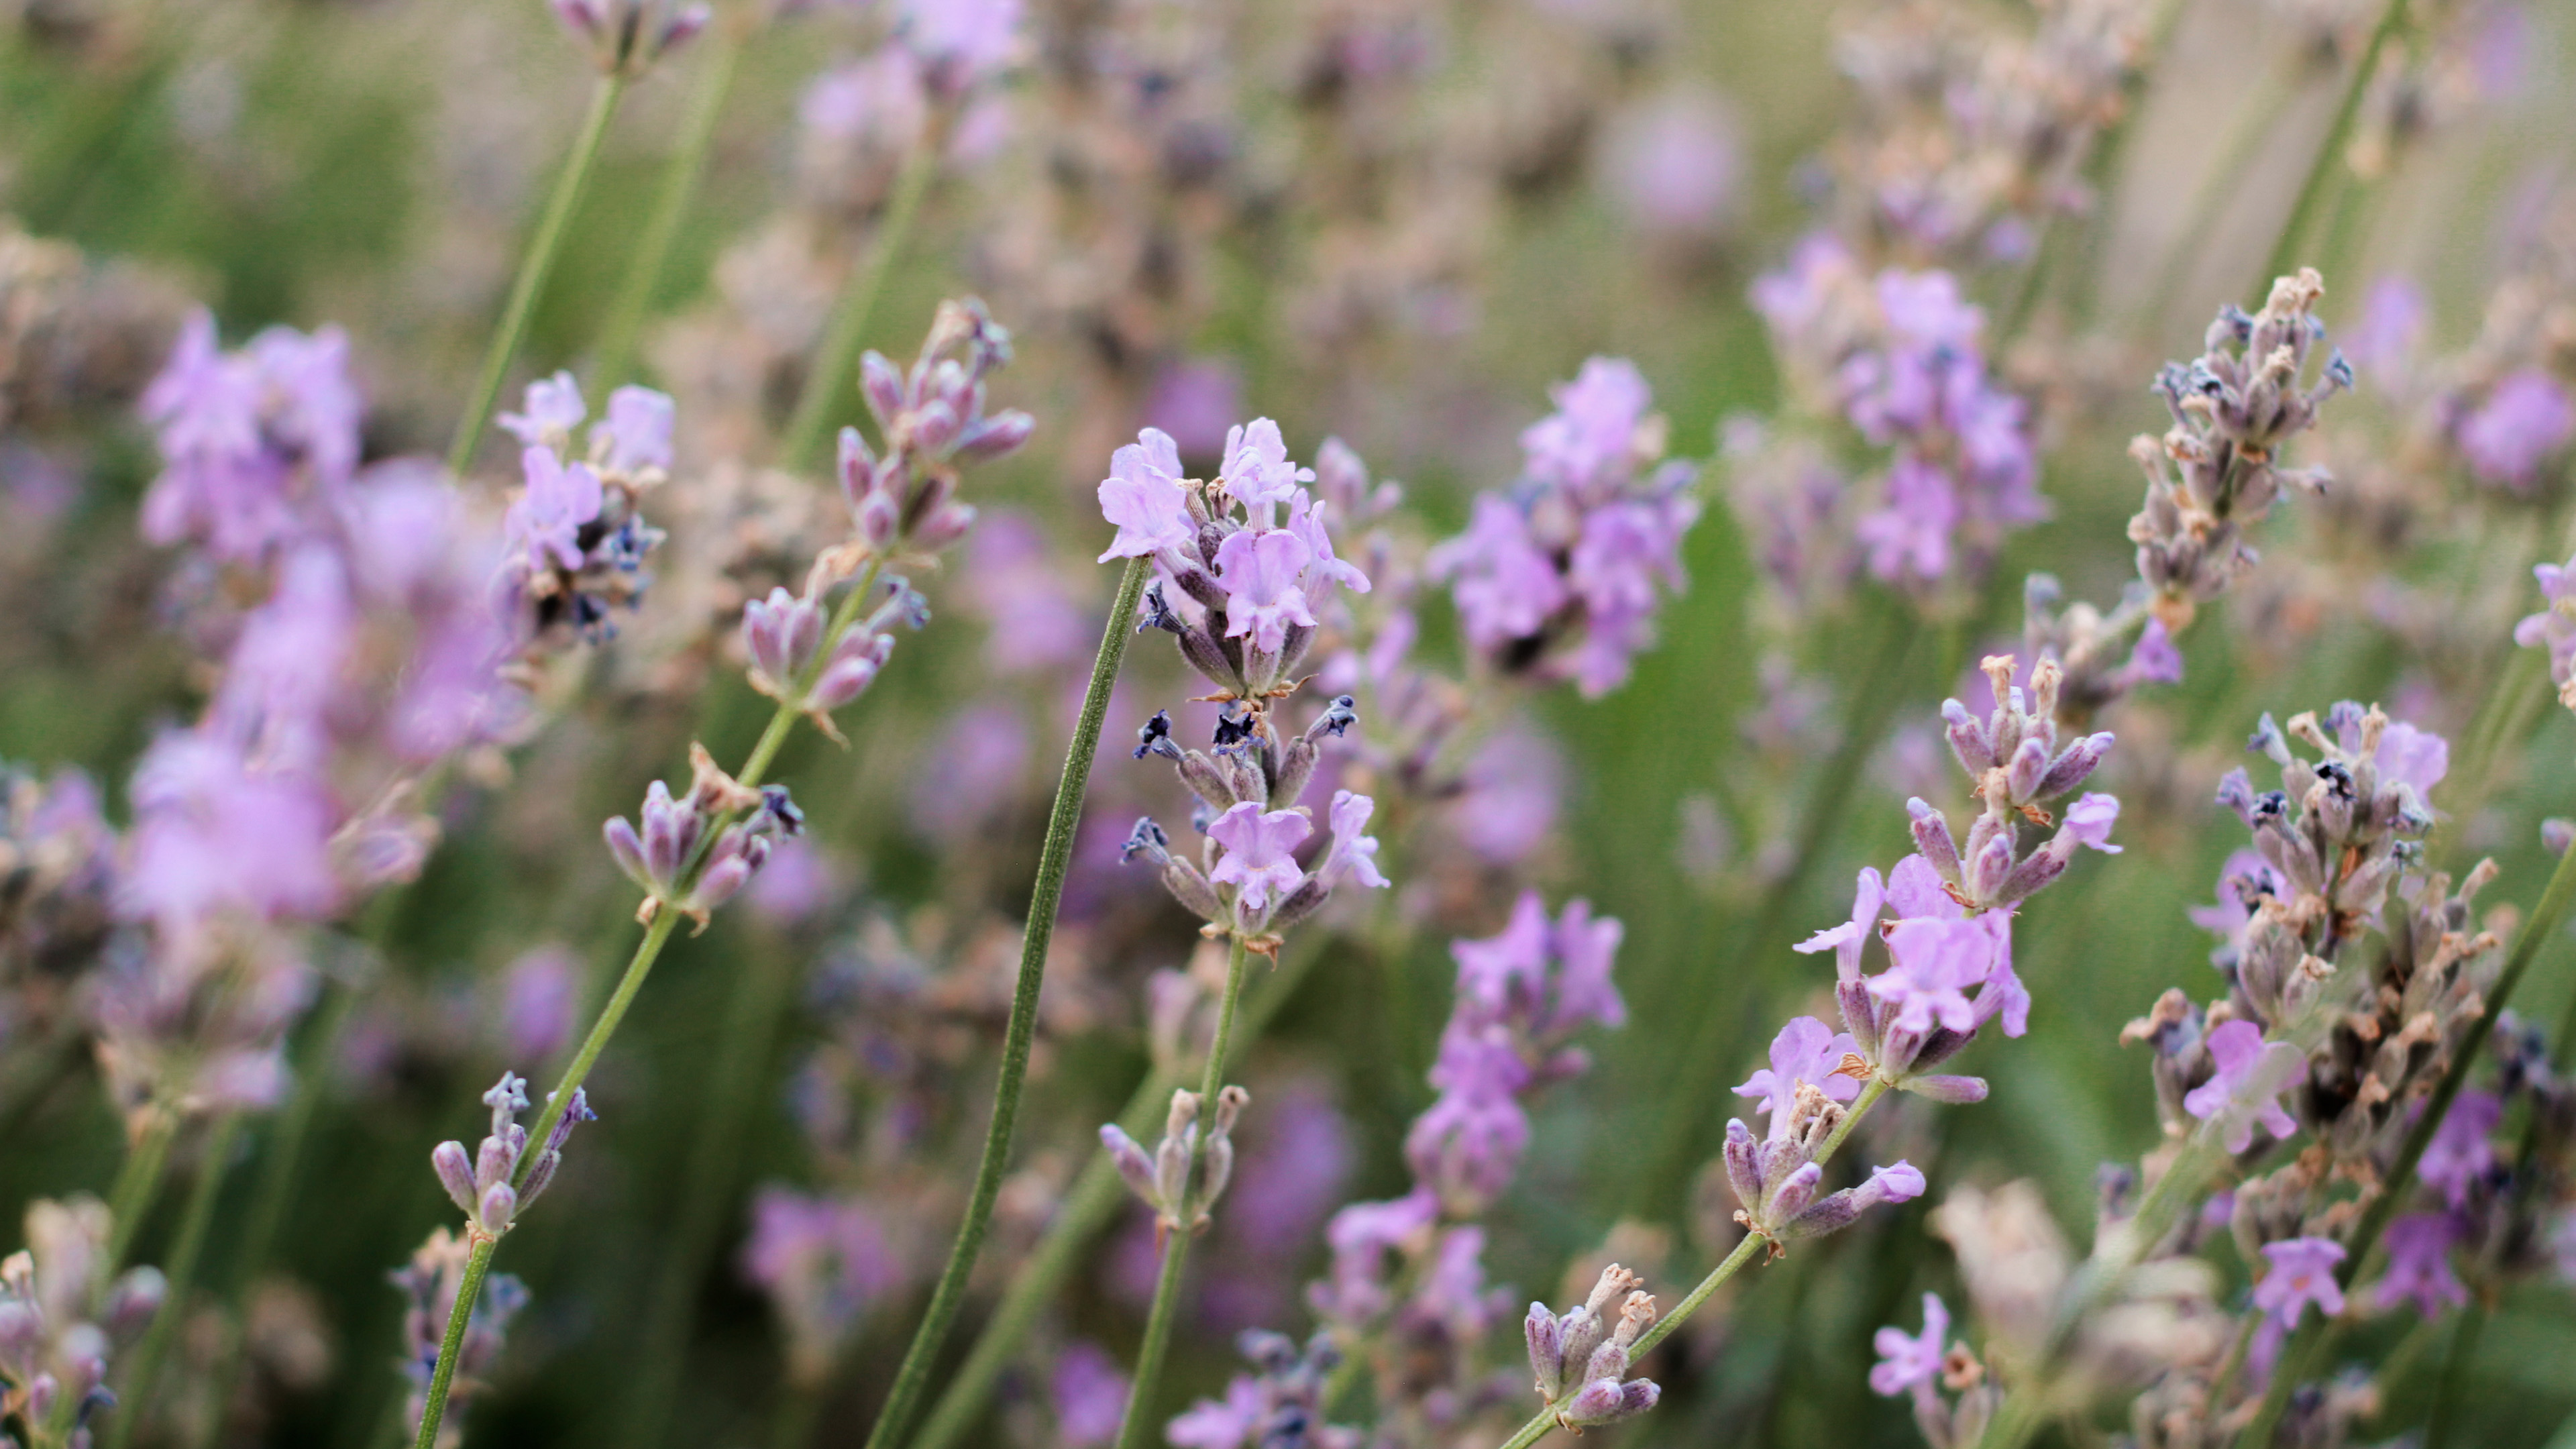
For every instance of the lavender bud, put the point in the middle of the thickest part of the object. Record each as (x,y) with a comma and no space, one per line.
(2074,766)
(882,385)
(1932,837)
(1958,1091)
(499,1204)
(455,1173)
(997,436)
(1796,1192)
(1546,1352)
(1967,736)
(1129,1158)
(2029,766)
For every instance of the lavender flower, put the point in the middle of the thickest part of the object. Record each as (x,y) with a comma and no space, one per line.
(249,439)
(2215,473)
(576,534)
(2523,421)
(2019,761)
(2460,1157)
(783,636)
(490,1187)
(695,852)
(2298,1272)
(2419,1265)
(2252,1074)
(1912,1364)
(931,420)
(2554,628)
(1280,1407)
(61,1316)
(1581,1361)
(1806,1053)
(628,36)
(1556,579)
(1089,1395)
(822,1262)
(428,1285)
(1189,1169)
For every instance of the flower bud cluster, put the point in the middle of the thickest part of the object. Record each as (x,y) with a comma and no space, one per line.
(576,534)
(61,1316)
(783,636)
(429,1283)
(1248,881)
(627,36)
(1779,1179)
(2335,838)
(487,1186)
(695,852)
(1241,562)
(2019,762)
(2215,473)
(1280,1407)
(931,419)
(1556,577)
(1580,1359)
(1189,1169)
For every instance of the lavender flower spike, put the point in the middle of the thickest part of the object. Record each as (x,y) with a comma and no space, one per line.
(1580,1360)
(2252,1074)
(489,1187)
(1185,1175)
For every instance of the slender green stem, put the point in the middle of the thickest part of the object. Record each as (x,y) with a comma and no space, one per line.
(180,1272)
(533,267)
(1135,1426)
(285,1151)
(478,1261)
(838,352)
(798,1409)
(2321,170)
(1695,1079)
(1745,1253)
(1088,1211)
(1055,857)
(2455,1378)
(137,1183)
(680,176)
(715,1159)
(2309,1346)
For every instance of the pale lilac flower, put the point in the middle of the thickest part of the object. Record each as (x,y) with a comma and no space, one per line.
(2419,1265)
(1592,435)
(1935,962)
(245,435)
(1805,1052)
(822,1262)
(2554,627)
(1089,1395)
(2394,319)
(1354,851)
(553,409)
(2526,419)
(2154,659)
(2460,1154)
(1196,402)
(1869,897)
(540,991)
(2301,1272)
(1467,1145)
(1259,858)
(1912,1363)
(1507,586)
(1257,471)
(1909,538)
(211,835)
(636,438)
(1142,496)
(2090,820)
(1507,802)
(2411,757)
(2252,1074)
(1261,573)
(548,518)
(962,43)
(1548,977)
(1675,163)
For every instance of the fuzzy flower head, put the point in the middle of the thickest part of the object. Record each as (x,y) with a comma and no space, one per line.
(2554,627)
(2522,423)
(1805,1053)
(2245,1092)
(250,438)
(1561,576)
(2461,1154)
(931,422)
(2419,1265)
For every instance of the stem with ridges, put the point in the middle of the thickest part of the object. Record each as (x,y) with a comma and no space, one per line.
(180,1277)
(1133,1432)
(2298,1363)
(838,352)
(680,177)
(1055,858)
(434,1408)
(1088,1210)
(533,268)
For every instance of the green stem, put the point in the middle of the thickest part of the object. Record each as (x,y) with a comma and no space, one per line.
(680,176)
(715,1159)
(1134,1427)
(2455,1377)
(838,353)
(277,1174)
(2285,246)
(1055,858)
(798,1409)
(1697,1077)
(441,1379)
(1088,1210)
(533,267)
(2308,1348)
(1745,1252)
(180,1272)
(137,1182)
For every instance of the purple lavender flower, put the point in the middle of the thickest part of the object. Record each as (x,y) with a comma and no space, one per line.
(962,43)
(247,436)
(1508,803)
(2554,627)
(2523,421)
(1805,1053)
(629,35)
(695,852)
(1675,164)
(489,1186)
(822,1262)
(2252,1074)
(548,518)
(2419,1265)
(1089,1395)
(212,835)
(1912,1364)
(1260,574)
(1935,964)
(1580,1360)
(2299,1272)
(2460,1155)
(553,410)
(1258,858)
(1467,1145)
(1142,496)
(635,439)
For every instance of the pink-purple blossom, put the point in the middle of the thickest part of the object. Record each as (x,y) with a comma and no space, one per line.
(1805,1053)
(1912,1362)
(2523,421)
(1259,860)
(2419,1265)
(2245,1093)
(2461,1152)
(1142,497)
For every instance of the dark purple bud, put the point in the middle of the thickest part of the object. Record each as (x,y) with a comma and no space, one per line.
(2074,766)
(1967,736)
(999,435)
(1147,840)
(1932,838)
(882,385)
(1155,738)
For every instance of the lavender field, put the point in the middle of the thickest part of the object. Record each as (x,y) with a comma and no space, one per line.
(1287,724)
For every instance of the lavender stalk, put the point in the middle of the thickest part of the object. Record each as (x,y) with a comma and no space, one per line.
(829,375)
(2330,151)
(533,269)
(181,1275)
(680,178)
